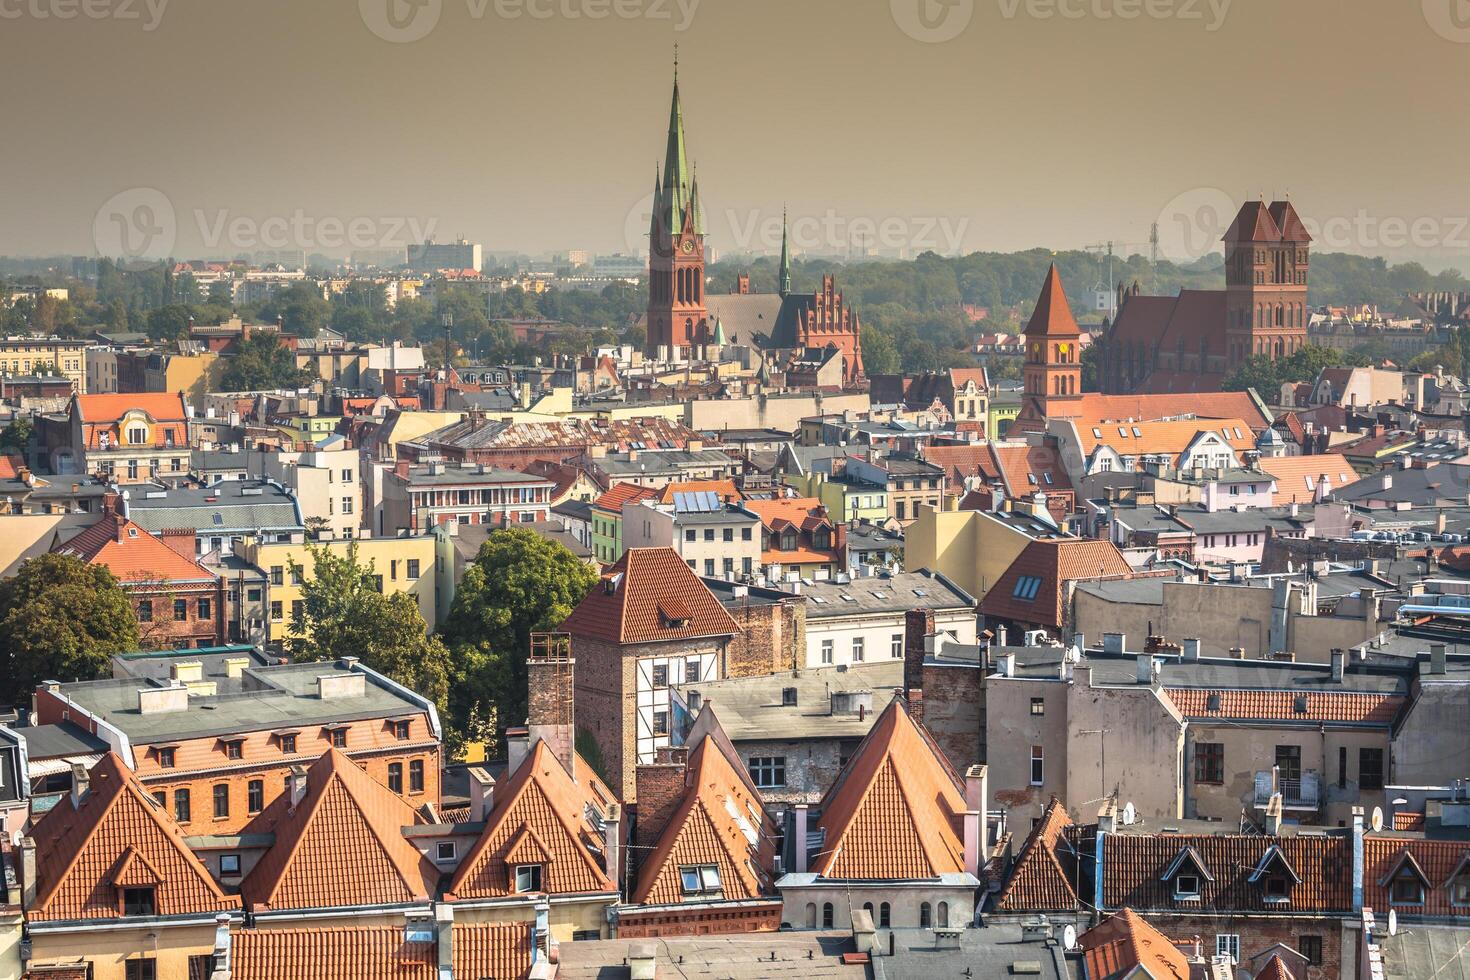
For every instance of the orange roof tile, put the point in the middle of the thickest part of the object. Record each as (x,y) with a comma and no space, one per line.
(1349,707)
(539,801)
(1437,860)
(10,466)
(787,510)
(1134,866)
(1028,469)
(897,809)
(624,608)
(132,554)
(1053,314)
(159,406)
(619,494)
(481,949)
(1092,408)
(1296,476)
(1041,880)
(118,832)
(1161,438)
(960,462)
(1054,561)
(717,822)
(1124,942)
(1275,969)
(343,844)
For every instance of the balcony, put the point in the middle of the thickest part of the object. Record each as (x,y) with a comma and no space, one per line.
(1296,794)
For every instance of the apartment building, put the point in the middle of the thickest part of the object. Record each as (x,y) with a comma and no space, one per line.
(416,498)
(128,438)
(714,537)
(49,355)
(857,621)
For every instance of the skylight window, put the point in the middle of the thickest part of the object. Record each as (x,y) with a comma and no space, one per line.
(1096,432)
(1136,433)
(1026,588)
(1122,432)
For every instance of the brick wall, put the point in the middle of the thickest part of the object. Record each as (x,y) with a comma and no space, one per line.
(954,712)
(706,920)
(772,639)
(605,700)
(660,788)
(918,624)
(1257,934)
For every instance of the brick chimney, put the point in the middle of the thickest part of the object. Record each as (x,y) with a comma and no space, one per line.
(659,786)
(180,541)
(918,626)
(550,709)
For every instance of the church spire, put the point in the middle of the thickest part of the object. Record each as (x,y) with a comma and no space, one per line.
(677,177)
(784,280)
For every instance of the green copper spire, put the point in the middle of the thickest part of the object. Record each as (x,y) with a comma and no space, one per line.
(694,204)
(719,340)
(784,285)
(677,178)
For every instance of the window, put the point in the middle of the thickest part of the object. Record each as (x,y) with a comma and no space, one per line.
(255,796)
(339,738)
(1186,886)
(277,575)
(699,880)
(857,649)
(395,777)
(181,805)
(926,915)
(145,611)
(253,595)
(346,505)
(885,915)
(1311,948)
(444,851)
(1406,888)
(1460,890)
(160,797)
(660,723)
(709,534)
(203,609)
(1038,706)
(139,901)
(895,646)
(276,612)
(1228,944)
(1278,889)
(413,568)
(691,671)
(691,535)
(709,567)
(729,534)
(660,675)
(1026,588)
(221,801)
(288,744)
(1289,761)
(826,651)
(416,775)
(140,969)
(181,610)
(943,920)
(166,758)
(826,915)
(1038,765)
(1209,763)
(234,749)
(401,730)
(745,534)
(298,609)
(296,574)
(528,878)
(768,770)
(229,864)
(1370,769)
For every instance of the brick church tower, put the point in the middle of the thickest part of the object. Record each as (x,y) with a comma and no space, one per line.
(1266,256)
(1053,370)
(677,318)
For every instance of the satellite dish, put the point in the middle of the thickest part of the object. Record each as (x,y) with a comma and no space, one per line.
(1376,820)
(1129,813)
(1393,922)
(1069,937)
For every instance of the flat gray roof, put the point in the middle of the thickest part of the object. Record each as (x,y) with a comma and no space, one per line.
(751,708)
(923,589)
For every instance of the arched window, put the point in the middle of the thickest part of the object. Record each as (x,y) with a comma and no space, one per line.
(868,908)
(811,915)
(884,916)
(826,915)
(943,915)
(924,916)
(1280,317)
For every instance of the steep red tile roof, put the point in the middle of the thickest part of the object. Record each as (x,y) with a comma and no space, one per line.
(132,554)
(119,831)
(1296,476)
(1124,942)
(160,406)
(1092,408)
(717,822)
(540,808)
(897,809)
(1030,469)
(619,494)
(1154,438)
(342,845)
(1275,969)
(1055,561)
(10,466)
(1288,222)
(961,462)
(624,607)
(1053,315)
(1253,223)
(1042,877)
(1437,860)
(480,949)
(1329,706)
(1134,866)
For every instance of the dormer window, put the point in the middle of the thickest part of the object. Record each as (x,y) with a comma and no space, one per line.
(1187,873)
(788,541)
(1406,881)
(1275,876)
(699,881)
(139,901)
(528,878)
(1458,883)
(1186,887)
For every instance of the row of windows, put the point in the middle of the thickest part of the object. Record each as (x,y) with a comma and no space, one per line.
(220,795)
(930,916)
(859,648)
(1209,764)
(728,534)
(203,609)
(727,565)
(234,748)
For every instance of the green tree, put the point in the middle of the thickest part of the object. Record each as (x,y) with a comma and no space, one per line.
(344,614)
(61,619)
(879,354)
(16,437)
(519,583)
(261,362)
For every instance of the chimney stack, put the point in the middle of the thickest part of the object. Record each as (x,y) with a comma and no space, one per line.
(798,838)
(81,781)
(296,785)
(550,715)
(612,844)
(977,787)
(482,794)
(658,787)
(1273,815)
(27,872)
(1191,649)
(1436,658)
(1339,664)
(918,626)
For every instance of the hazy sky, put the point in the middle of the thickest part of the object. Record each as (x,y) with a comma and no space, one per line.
(210,127)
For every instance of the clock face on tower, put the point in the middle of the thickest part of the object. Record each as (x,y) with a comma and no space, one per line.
(688,246)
